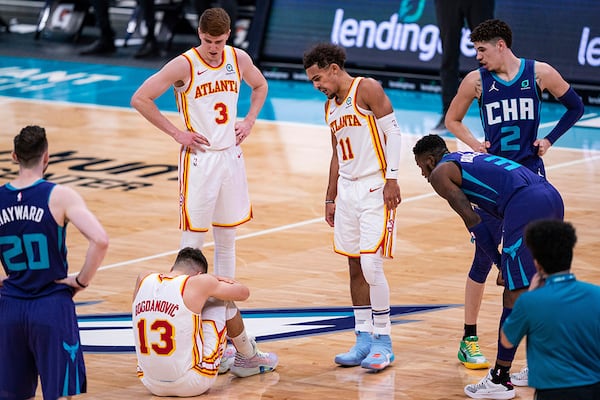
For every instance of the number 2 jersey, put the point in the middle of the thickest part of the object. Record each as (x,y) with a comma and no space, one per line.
(510,115)
(32,244)
(170,339)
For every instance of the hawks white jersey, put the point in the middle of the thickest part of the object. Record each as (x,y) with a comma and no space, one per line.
(208,104)
(360,141)
(171,340)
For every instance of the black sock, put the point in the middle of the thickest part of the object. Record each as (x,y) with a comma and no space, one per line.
(500,374)
(470,330)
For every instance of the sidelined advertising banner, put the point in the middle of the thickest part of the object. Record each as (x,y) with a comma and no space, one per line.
(402,35)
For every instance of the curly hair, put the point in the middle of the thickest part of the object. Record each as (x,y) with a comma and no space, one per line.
(551,243)
(430,144)
(324,54)
(490,30)
(30,145)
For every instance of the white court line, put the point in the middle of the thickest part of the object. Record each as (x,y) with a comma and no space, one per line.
(308,222)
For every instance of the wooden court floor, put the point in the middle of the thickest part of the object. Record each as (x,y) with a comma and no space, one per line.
(124,169)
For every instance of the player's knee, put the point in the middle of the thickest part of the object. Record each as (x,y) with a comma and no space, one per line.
(480,268)
(372,268)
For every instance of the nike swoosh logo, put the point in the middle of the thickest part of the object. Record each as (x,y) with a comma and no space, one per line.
(374,189)
(393,169)
(201,72)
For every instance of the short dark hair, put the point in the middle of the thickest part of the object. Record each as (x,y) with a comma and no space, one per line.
(30,145)
(432,144)
(215,22)
(492,29)
(551,243)
(191,259)
(325,54)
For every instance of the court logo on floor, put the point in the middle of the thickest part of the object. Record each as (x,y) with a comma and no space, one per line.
(112,333)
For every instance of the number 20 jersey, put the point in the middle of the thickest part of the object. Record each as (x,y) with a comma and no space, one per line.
(32,245)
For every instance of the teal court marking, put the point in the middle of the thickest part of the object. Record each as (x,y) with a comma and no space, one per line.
(289,101)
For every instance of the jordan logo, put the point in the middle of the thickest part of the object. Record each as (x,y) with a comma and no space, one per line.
(493,87)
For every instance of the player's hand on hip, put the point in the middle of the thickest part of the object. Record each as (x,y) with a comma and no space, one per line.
(194,140)
(543,145)
(242,131)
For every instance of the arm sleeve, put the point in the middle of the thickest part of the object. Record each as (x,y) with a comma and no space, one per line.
(574,105)
(393,144)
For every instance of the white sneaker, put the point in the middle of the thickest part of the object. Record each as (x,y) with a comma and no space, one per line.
(258,364)
(520,378)
(228,358)
(487,389)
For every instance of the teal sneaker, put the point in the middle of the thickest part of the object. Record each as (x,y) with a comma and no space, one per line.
(381,354)
(470,355)
(357,353)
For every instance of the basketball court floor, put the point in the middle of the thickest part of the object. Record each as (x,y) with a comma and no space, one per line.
(299,304)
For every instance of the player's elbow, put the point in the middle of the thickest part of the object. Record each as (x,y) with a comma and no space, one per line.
(100,242)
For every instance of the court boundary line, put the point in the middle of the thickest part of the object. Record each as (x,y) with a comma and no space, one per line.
(308,222)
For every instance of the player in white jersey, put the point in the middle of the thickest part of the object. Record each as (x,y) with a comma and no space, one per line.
(180,322)
(212,175)
(362,195)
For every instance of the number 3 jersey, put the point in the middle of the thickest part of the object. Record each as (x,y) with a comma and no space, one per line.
(32,244)
(170,339)
(360,142)
(208,104)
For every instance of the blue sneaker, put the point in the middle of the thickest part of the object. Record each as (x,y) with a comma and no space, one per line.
(357,353)
(381,354)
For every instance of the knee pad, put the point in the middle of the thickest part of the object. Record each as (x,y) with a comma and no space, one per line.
(481,266)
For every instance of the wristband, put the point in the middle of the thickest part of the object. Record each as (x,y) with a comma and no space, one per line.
(81,285)
(329,201)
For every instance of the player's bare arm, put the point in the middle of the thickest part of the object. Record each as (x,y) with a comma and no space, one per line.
(257,82)
(445,180)
(200,287)
(331,194)
(67,205)
(469,89)
(174,73)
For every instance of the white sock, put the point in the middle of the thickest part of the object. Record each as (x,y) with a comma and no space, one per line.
(244,345)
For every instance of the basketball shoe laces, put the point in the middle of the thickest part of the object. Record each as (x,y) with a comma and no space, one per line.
(473,349)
